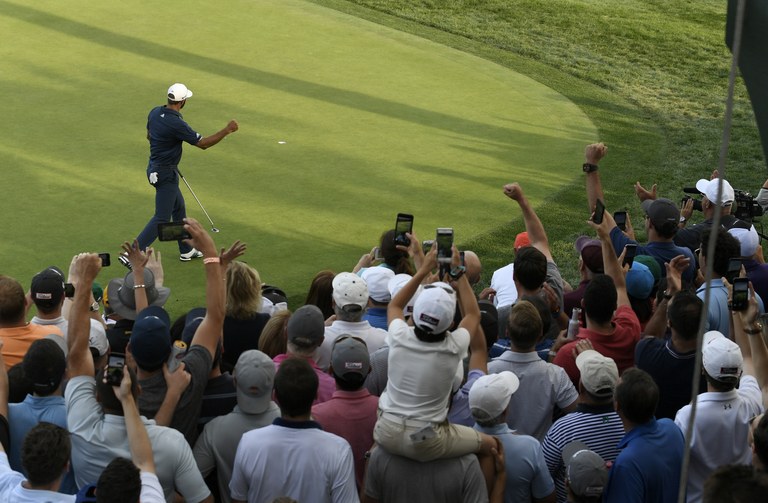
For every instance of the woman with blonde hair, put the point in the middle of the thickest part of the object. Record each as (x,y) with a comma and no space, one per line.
(244,320)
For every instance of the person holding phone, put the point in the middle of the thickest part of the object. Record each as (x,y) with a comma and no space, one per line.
(726,247)
(166,132)
(662,217)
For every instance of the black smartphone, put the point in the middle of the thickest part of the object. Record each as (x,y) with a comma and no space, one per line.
(734,269)
(444,240)
(377,254)
(69,290)
(621,219)
(105,260)
(114,375)
(629,254)
(599,212)
(172,231)
(740,296)
(403,225)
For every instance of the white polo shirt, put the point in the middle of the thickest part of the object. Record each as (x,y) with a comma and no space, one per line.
(720,431)
(298,460)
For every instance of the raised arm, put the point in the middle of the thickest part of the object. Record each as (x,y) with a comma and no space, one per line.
(592,155)
(611,263)
(138,259)
(748,333)
(79,360)
(467,301)
(209,331)
(210,141)
(398,303)
(533,226)
(138,439)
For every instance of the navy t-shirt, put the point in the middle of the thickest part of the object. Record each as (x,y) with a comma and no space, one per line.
(672,372)
(167,130)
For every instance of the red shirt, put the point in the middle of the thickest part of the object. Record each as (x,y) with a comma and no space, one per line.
(619,344)
(352,416)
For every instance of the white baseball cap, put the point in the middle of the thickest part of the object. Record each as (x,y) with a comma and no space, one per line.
(350,289)
(396,283)
(709,189)
(599,374)
(490,394)
(179,92)
(721,357)
(377,278)
(434,308)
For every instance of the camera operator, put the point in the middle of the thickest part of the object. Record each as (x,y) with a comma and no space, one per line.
(690,237)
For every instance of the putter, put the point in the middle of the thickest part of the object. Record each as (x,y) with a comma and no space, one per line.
(213,227)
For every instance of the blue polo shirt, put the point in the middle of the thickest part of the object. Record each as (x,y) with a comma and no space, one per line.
(167,130)
(648,466)
(662,251)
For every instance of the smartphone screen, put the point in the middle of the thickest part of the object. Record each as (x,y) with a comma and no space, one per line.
(629,254)
(403,225)
(621,219)
(740,297)
(105,260)
(115,370)
(172,231)
(734,269)
(444,240)
(599,211)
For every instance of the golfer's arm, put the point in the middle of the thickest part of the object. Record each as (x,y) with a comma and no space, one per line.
(210,141)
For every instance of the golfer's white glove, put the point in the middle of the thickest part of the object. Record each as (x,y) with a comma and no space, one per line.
(153,177)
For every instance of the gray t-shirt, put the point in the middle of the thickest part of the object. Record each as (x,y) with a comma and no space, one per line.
(393,479)
(198,363)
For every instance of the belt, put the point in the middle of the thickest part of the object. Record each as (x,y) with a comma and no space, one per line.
(414,423)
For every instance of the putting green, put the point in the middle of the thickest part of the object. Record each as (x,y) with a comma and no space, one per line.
(343,122)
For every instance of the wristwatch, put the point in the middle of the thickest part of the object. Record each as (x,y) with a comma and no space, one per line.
(94,307)
(457,272)
(589,168)
(682,219)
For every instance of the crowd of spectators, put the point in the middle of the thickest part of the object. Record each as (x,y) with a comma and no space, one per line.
(401,380)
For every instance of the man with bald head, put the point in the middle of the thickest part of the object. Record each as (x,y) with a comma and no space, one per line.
(474,267)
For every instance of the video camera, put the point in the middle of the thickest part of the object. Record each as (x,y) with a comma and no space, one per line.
(745,207)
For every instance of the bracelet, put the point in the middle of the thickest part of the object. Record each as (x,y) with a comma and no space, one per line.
(212,260)
(754,331)
(588,168)
(667,295)
(136,287)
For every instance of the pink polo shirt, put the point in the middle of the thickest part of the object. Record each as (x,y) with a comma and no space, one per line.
(352,416)
(327,384)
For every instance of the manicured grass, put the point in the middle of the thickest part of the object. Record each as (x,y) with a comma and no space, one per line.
(374,121)
(651,75)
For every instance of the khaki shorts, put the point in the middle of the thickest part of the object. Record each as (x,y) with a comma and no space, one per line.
(423,441)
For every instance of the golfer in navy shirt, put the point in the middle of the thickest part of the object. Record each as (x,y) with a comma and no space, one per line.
(166,130)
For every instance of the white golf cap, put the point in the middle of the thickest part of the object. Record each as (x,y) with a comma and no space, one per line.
(490,394)
(710,188)
(179,92)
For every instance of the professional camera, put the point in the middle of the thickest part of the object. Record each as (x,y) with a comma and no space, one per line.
(745,206)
